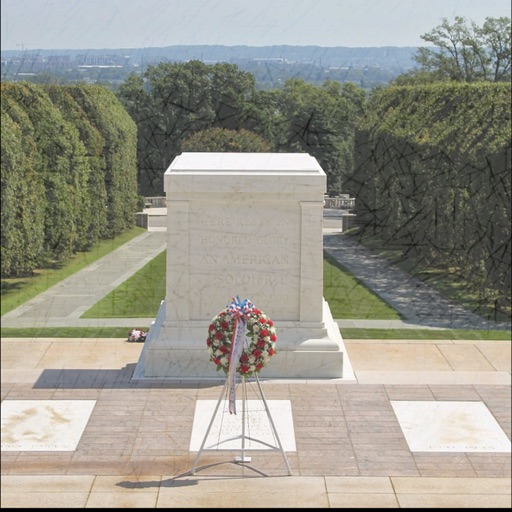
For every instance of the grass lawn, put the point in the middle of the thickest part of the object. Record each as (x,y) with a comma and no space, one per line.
(347,333)
(19,290)
(140,297)
(349,298)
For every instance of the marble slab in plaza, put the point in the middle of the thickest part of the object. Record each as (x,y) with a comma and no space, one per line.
(435,426)
(44,425)
(247,225)
(226,428)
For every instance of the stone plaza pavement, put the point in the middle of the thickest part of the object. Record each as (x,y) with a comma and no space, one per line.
(425,424)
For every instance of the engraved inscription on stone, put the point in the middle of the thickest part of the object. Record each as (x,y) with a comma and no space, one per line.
(233,252)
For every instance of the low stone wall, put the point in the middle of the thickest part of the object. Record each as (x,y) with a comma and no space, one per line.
(156,219)
(152,219)
(141,219)
(341,202)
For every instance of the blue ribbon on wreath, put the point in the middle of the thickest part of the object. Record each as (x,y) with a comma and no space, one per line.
(240,312)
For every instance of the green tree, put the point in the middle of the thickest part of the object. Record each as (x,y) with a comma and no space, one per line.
(465,52)
(230,91)
(432,180)
(59,161)
(68,172)
(22,188)
(172,101)
(118,151)
(224,140)
(265,115)
(90,194)
(320,121)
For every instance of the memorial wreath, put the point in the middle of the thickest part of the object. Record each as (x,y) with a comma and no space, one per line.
(257,347)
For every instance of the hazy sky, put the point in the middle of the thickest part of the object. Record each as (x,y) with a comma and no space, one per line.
(95,24)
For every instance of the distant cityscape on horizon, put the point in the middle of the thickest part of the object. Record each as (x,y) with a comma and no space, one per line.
(297,53)
(271,65)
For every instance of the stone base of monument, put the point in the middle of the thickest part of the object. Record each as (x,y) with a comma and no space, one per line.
(305,350)
(250,224)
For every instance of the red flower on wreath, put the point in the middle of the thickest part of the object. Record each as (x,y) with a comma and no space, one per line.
(259,344)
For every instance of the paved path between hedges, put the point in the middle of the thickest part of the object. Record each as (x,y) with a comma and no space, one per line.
(420,305)
(63,304)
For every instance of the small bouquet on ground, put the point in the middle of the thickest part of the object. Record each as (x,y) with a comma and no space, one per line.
(137,335)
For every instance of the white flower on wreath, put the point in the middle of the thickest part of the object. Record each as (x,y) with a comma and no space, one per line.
(260,343)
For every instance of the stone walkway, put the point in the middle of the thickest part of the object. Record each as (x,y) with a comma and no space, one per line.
(63,304)
(351,448)
(426,424)
(418,303)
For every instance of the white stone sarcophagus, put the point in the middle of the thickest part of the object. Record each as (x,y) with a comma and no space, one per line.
(246,225)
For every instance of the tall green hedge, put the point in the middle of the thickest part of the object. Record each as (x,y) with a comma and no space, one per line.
(433,178)
(68,172)
(22,213)
(119,132)
(92,196)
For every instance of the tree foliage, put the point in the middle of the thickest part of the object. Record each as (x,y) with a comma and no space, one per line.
(432,178)
(57,162)
(172,101)
(68,172)
(320,121)
(119,152)
(91,196)
(465,52)
(22,233)
(224,140)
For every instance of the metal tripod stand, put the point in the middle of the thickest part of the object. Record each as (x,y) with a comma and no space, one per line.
(243,437)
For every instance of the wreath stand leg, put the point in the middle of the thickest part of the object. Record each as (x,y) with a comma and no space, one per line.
(243,458)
